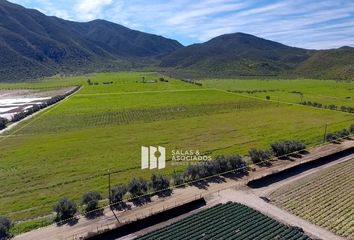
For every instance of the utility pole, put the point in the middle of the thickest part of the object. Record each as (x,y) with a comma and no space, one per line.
(325,134)
(109,186)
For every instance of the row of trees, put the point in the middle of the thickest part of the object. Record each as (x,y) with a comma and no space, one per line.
(278,149)
(255,91)
(333,136)
(192,82)
(330,106)
(220,164)
(140,190)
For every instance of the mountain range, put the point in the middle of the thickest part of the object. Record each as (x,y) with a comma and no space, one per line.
(33,45)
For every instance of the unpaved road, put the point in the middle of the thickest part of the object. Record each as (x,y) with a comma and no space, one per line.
(214,192)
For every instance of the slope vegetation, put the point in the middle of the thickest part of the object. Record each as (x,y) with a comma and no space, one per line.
(34,45)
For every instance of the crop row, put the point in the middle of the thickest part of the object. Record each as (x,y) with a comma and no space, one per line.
(227,221)
(124,117)
(316,188)
(326,199)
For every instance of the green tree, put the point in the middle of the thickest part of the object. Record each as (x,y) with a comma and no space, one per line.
(137,187)
(91,199)
(65,209)
(117,194)
(351,129)
(2,123)
(5,226)
(260,157)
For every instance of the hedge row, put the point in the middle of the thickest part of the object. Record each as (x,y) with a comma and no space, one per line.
(331,106)
(333,136)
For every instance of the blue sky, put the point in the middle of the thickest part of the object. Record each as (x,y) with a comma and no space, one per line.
(310,24)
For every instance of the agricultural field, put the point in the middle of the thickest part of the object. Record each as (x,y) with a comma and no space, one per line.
(325,198)
(340,93)
(227,221)
(68,149)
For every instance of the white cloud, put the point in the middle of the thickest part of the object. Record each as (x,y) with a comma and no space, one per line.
(90,9)
(202,11)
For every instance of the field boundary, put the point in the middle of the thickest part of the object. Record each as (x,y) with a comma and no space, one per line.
(274,101)
(142,92)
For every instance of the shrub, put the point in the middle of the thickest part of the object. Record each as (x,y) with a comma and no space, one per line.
(351,129)
(117,193)
(161,185)
(259,157)
(221,164)
(268,97)
(177,179)
(332,107)
(192,172)
(343,108)
(286,147)
(330,137)
(160,182)
(90,199)
(237,163)
(343,133)
(137,187)
(2,123)
(65,209)
(5,226)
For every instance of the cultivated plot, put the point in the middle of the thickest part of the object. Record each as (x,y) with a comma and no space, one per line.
(325,92)
(227,221)
(325,198)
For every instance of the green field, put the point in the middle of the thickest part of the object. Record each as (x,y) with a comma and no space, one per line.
(326,198)
(322,91)
(227,221)
(67,149)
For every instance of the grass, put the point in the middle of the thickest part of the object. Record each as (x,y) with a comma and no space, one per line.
(326,199)
(68,149)
(322,91)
